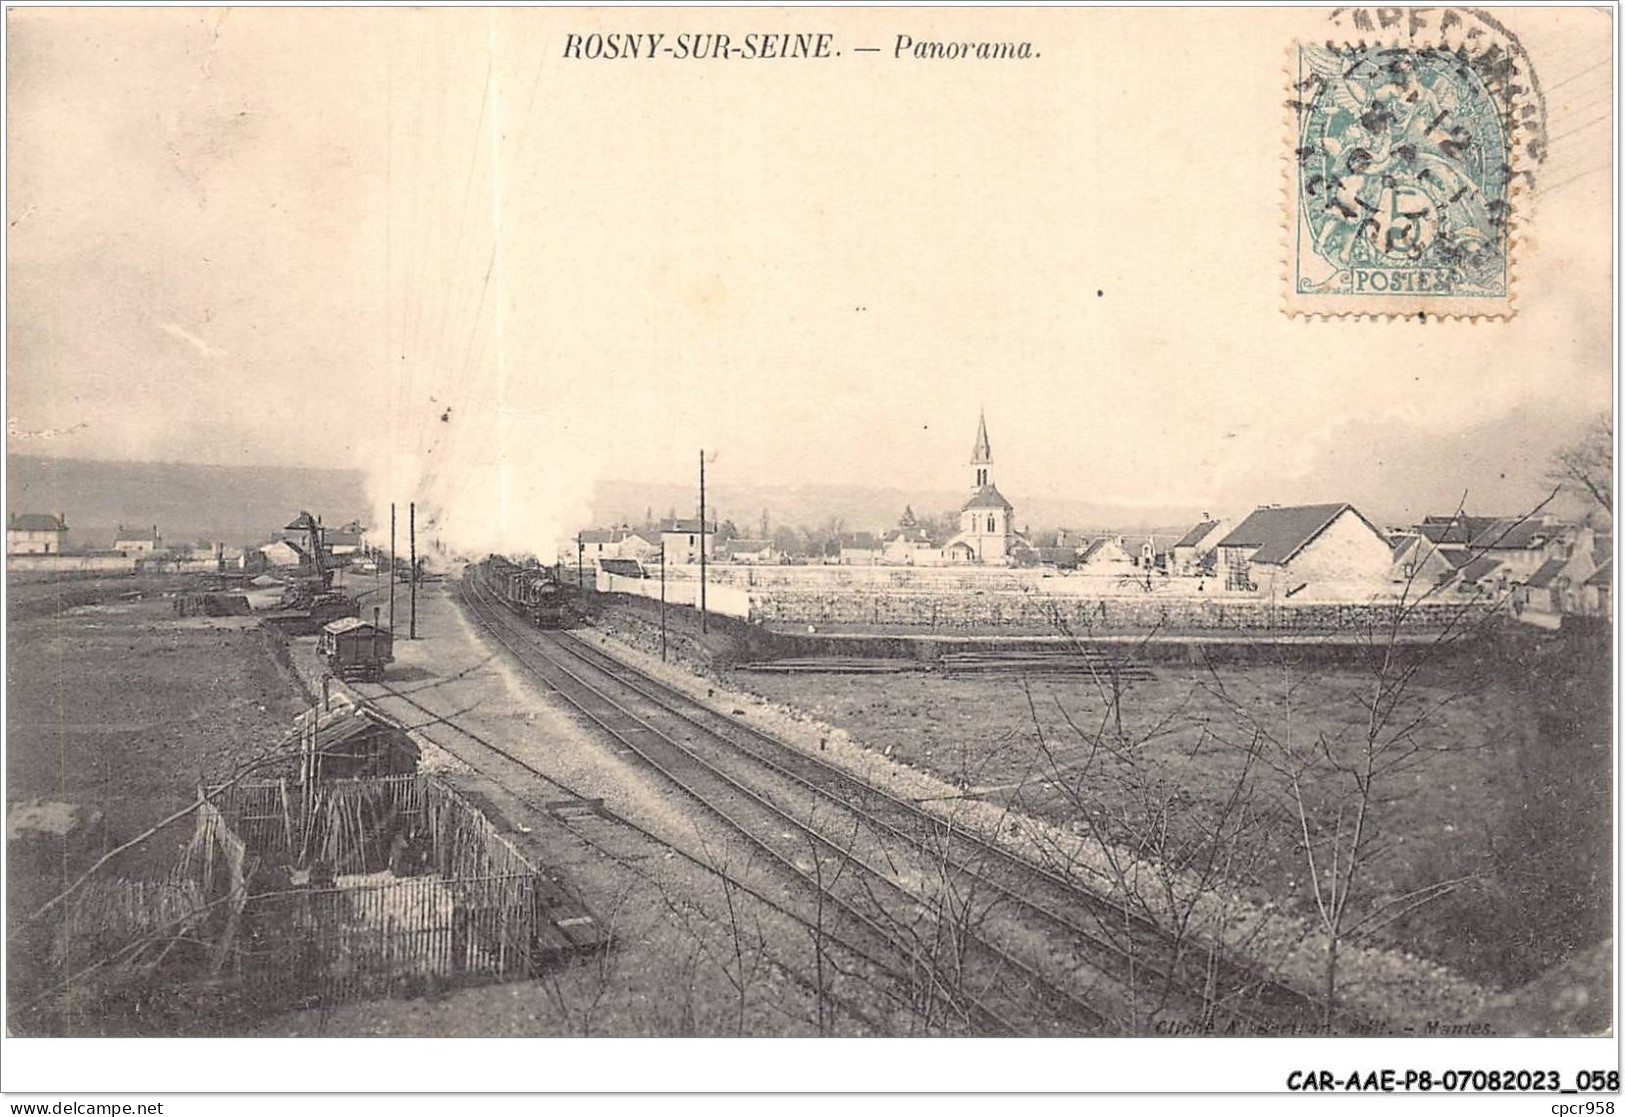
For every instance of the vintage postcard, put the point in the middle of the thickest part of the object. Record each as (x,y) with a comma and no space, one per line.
(1084,523)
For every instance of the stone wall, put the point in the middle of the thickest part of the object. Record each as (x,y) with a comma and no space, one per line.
(1043,612)
(76,564)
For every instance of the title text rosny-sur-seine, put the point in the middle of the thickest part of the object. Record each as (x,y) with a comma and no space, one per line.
(615,46)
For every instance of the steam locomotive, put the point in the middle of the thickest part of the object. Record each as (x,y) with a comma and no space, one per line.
(533,592)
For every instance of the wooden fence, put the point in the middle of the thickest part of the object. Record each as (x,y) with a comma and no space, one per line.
(372,887)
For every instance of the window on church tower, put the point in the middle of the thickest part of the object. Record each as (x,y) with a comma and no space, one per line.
(990,527)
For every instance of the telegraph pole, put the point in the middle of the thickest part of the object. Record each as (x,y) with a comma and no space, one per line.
(704,626)
(392,566)
(412,534)
(581,584)
(662,600)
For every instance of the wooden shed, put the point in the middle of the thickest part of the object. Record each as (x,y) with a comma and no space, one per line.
(354,649)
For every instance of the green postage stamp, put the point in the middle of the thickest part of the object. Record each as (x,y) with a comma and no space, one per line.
(1403,181)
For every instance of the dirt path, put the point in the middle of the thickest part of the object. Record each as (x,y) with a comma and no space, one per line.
(691,957)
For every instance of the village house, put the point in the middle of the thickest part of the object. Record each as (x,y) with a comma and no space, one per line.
(906,546)
(1193,552)
(347,540)
(1106,555)
(1421,564)
(36,533)
(621,542)
(1521,544)
(1060,557)
(1557,587)
(1453,532)
(859,548)
(1483,577)
(595,544)
(908,543)
(755,551)
(1279,551)
(640,545)
(683,540)
(283,553)
(137,541)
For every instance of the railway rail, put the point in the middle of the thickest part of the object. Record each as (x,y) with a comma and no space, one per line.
(1131,945)
(557,813)
(1180,975)
(946,959)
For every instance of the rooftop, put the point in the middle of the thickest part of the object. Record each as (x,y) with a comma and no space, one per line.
(988,496)
(348,624)
(35,521)
(1479,568)
(1514,535)
(690,526)
(1543,577)
(1279,533)
(1454,528)
(1198,533)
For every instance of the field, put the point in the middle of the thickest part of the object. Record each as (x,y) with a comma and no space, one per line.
(122,709)
(1493,784)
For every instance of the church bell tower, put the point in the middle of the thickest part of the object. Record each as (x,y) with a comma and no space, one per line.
(981,457)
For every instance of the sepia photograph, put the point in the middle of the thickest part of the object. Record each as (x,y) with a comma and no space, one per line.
(722,523)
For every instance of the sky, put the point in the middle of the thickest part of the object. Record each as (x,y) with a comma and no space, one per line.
(426,245)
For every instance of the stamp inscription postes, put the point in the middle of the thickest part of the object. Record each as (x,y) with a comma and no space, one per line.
(1402,183)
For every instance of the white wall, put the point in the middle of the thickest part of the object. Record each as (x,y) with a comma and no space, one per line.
(725,600)
(1347,551)
(71,562)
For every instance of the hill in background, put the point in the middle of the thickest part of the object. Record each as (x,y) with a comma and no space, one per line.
(864,508)
(188,503)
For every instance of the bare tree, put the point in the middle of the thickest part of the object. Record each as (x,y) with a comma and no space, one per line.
(1335,776)
(1586,468)
(1173,863)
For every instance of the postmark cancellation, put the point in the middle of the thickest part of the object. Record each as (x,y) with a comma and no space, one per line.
(1404,173)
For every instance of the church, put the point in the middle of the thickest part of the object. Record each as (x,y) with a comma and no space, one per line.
(987,532)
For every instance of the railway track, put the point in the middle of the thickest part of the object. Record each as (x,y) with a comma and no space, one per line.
(852,961)
(944,957)
(1182,977)
(1128,945)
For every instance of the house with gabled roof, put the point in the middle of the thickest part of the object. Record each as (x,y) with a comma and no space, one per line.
(907,545)
(758,551)
(1453,532)
(137,541)
(597,544)
(1106,555)
(284,553)
(859,548)
(1538,600)
(1194,550)
(682,540)
(1282,550)
(346,540)
(36,533)
(1521,543)
(1420,564)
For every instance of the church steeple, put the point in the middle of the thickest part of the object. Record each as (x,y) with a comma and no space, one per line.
(982,455)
